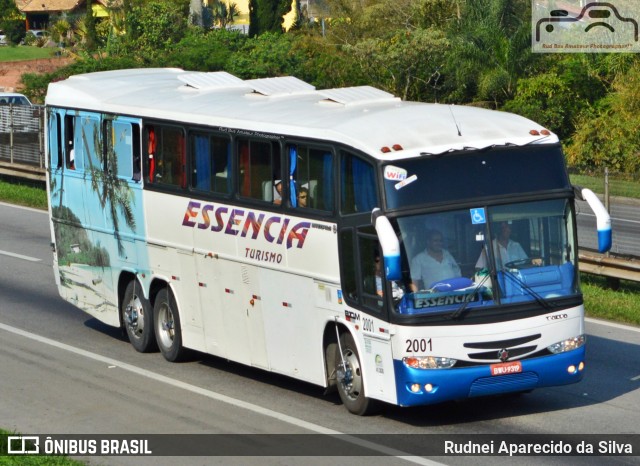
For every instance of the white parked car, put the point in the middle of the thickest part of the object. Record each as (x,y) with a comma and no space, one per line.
(17,108)
(3,38)
(13,98)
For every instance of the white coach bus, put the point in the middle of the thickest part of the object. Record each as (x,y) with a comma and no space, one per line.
(400,252)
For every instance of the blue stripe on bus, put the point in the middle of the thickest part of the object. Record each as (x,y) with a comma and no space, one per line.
(455,384)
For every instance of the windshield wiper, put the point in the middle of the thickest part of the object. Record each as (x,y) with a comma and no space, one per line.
(463,306)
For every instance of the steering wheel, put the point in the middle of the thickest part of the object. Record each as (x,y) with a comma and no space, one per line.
(523,263)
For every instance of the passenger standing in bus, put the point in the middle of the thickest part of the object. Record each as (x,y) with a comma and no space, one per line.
(433,264)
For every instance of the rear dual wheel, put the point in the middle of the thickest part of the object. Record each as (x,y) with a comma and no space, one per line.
(167,326)
(137,318)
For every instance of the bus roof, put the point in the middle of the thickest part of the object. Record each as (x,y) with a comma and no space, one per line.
(363,117)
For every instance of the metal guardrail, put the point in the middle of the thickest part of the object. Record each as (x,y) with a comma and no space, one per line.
(22,141)
(609,266)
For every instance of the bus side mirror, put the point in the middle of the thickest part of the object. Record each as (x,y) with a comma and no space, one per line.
(389,243)
(603,220)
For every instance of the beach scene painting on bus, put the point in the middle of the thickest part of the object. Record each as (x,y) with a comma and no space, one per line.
(86,255)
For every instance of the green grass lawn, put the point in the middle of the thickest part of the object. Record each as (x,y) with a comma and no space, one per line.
(23,193)
(617,187)
(23,52)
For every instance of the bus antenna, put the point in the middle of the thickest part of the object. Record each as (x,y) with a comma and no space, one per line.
(454,120)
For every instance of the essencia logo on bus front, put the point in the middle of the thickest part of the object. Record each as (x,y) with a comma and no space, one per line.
(238,222)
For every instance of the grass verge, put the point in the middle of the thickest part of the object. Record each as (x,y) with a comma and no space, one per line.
(622,188)
(601,302)
(23,193)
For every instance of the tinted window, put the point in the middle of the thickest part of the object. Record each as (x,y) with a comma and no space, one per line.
(476,175)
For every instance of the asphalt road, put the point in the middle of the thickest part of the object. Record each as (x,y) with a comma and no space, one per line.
(62,372)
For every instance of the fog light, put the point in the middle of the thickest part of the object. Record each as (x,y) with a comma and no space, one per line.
(581,366)
(415,388)
(428,388)
(571,369)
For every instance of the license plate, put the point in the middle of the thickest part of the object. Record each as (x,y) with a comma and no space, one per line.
(506,368)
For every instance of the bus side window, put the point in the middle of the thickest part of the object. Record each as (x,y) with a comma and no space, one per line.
(348,264)
(258,163)
(69,151)
(120,140)
(314,171)
(166,156)
(55,136)
(210,163)
(358,185)
(89,132)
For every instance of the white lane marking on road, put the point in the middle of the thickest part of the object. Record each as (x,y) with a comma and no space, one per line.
(40,211)
(19,256)
(220,397)
(637,377)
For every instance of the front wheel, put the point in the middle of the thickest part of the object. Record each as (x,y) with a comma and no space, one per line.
(167,324)
(137,318)
(350,382)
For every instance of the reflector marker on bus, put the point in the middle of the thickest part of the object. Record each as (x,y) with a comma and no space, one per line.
(228,290)
(287,304)
(202,285)
(175,278)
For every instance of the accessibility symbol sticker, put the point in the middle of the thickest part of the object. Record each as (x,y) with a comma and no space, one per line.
(478,216)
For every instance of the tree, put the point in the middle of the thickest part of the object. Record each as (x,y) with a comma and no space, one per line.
(153,27)
(607,135)
(267,15)
(491,49)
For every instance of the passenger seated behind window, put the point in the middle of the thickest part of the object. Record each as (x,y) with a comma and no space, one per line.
(433,264)
(303,197)
(277,195)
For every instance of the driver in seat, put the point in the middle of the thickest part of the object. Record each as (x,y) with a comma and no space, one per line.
(505,249)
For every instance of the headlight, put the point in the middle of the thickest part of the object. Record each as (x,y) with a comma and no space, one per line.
(428,362)
(568,344)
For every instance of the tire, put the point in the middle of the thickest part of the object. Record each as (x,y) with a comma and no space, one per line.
(167,326)
(350,382)
(137,319)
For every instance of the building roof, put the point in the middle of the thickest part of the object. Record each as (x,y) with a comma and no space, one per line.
(51,6)
(362,117)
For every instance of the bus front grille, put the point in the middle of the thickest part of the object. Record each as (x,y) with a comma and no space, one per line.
(504,384)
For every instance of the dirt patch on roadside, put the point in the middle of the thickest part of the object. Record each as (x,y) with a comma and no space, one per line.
(11,71)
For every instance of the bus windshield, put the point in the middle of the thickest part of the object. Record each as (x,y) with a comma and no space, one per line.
(490,256)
